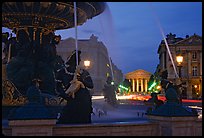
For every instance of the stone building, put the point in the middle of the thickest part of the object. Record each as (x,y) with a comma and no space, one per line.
(95,52)
(139,80)
(191,67)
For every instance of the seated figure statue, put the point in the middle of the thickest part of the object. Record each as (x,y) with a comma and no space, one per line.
(77,110)
(75,84)
(109,92)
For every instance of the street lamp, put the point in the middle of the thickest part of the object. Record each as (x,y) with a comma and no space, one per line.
(87,63)
(179,59)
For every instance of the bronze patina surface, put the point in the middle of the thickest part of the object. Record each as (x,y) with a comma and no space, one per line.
(48,15)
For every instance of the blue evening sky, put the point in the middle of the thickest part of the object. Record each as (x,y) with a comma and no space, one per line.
(138,33)
(130,30)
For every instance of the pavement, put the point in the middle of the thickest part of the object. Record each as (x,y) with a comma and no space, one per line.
(127,110)
(124,112)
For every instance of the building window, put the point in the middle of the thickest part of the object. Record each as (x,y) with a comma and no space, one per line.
(194,55)
(195,71)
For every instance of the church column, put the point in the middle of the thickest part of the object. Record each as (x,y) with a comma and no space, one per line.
(142,90)
(133,85)
(137,85)
(145,85)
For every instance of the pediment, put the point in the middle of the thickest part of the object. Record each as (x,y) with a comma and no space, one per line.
(193,40)
(138,74)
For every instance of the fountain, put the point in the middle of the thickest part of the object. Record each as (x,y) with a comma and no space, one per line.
(32,53)
(34,24)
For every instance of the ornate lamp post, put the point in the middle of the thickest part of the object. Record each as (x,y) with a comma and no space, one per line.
(179,60)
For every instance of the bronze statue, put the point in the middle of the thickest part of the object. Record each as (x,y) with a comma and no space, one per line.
(109,92)
(78,109)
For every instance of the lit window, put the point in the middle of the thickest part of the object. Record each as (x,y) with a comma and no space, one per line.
(195,71)
(107,74)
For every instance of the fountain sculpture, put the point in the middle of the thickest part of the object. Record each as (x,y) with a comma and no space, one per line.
(32,53)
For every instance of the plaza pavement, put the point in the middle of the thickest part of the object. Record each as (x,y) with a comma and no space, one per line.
(124,112)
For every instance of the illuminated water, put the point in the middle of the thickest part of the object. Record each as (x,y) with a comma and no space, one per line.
(108,36)
(162,32)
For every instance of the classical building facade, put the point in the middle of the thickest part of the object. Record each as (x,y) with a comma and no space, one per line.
(191,68)
(95,52)
(139,80)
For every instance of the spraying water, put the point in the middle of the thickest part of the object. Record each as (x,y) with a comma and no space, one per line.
(162,32)
(108,33)
(76,37)
(111,69)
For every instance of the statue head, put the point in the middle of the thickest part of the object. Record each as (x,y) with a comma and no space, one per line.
(56,39)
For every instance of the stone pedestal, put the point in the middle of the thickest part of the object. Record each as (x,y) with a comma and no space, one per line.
(37,127)
(173,118)
(175,126)
(33,118)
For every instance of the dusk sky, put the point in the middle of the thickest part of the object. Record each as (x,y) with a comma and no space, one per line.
(131,32)
(138,33)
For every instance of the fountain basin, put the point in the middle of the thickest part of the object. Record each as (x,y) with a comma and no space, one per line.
(48,15)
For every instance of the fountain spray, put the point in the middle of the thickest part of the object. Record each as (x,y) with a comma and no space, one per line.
(167,46)
(111,68)
(76,39)
(106,35)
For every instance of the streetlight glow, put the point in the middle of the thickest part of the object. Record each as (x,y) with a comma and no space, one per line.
(179,59)
(87,63)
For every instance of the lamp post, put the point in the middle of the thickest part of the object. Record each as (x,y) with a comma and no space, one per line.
(179,59)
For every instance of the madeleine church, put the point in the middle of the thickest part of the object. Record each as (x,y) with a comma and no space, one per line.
(139,80)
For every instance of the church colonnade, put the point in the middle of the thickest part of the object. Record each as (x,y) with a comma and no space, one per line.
(139,80)
(139,85)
